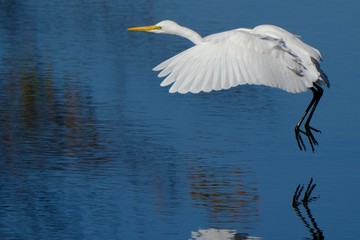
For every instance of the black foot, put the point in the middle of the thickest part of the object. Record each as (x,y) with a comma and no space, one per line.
(309,134)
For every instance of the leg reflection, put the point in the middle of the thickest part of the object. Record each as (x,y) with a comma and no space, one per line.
(315,231)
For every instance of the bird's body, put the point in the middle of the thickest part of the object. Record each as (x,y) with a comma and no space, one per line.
(265,55)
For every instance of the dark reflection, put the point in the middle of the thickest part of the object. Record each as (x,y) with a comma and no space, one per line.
(312,226)
(227,192)
(50,137)
(220,234)
(43,113)
(39,117)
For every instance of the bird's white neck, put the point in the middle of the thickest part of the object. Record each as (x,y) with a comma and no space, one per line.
(187,33)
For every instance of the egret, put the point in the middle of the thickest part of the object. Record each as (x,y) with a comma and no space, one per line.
(265,55)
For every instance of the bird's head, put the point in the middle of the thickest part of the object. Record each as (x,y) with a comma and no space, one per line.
(170,27)
(166,26)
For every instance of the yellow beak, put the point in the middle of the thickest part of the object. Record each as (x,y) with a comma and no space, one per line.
(144,28)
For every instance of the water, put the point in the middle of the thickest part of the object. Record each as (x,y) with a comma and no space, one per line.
(92,148)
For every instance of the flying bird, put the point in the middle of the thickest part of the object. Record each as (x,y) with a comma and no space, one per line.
(265,55)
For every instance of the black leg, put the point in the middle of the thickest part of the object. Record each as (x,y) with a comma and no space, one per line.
(317,93)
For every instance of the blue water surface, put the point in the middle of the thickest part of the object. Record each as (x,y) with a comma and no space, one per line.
(93,148)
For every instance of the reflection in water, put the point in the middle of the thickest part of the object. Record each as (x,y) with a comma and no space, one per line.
(49,134)
(43,112)
(220,234)
(315,231)
(61,118)
(227,192)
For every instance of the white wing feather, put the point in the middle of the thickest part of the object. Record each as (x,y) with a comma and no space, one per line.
(310,56)
(292,41)
(240,57)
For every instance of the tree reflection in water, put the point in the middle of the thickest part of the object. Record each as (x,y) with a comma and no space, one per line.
(228,193)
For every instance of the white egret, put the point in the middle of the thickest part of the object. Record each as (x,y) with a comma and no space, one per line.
(265,55)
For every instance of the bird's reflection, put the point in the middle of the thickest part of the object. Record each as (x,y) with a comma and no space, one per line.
(308,220)
(220,234)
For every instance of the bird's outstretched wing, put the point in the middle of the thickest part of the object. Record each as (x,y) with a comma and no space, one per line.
(235,58)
